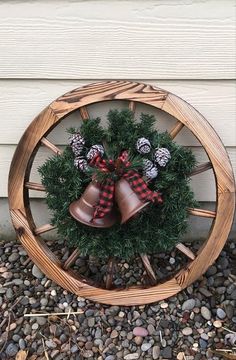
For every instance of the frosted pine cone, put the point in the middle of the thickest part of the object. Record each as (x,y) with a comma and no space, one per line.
(77,149)
(162,156)
(152,173)
(76,139)
(77,143)
(147,165)
(95,150)
(143,145)
(81,163)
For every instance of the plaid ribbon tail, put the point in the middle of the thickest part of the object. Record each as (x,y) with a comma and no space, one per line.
(106,200)
(139,186)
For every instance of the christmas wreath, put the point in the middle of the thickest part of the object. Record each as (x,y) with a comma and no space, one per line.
(120,190)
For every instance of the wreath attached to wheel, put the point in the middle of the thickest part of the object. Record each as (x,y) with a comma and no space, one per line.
(121,190)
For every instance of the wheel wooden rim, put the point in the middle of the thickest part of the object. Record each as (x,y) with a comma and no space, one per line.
(186,115)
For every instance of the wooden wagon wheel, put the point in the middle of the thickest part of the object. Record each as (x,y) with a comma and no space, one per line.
(29,234)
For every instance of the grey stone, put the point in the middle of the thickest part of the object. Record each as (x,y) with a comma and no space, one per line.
(110,357)
(18,281)
(63,338)
(205,292)
(164,323)
(187,331)
(211,271)
(150,329)
(220,313)
(27,329)
(41,320)
(113,310)
(51,344)
(156,352)
(233,295)
(13,257)
(74,349)
(11,349)
(146,346)
(98,333)
(221,290)
(132,356)
(16,337)
(9,293)
(205,312)
(25,300)
(223,262)
(188,304)
(91,322)
(22,344)
(36,272)
(203,344)
(229,311)
(167,352)
(89,312)
(43,302)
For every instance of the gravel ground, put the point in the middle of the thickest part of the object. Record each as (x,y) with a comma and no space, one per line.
(188,326)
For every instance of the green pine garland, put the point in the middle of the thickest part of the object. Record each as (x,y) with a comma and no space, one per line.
(158,228)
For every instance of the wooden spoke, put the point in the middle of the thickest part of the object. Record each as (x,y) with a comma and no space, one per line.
(176,129)
(132,106)
(201,168)
(50,146)
(202,213)
(185,250)
(34,186)
(71,259)
(84,112)
(148,268)
(110,273)
(44,228)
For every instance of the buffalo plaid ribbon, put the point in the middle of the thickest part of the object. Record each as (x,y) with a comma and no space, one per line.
(106,200)
(139,186)
(107,193)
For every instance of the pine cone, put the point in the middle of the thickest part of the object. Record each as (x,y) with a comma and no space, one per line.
(143,145)
(162,156)
(77,149)
(149,169)
(147,165)
(81,163)
(77,143)
(94,151)
(152,174)
(76,139)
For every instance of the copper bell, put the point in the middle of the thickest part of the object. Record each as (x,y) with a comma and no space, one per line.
(83,209)
(128,202)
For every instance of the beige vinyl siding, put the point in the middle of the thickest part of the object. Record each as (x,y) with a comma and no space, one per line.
(49,47)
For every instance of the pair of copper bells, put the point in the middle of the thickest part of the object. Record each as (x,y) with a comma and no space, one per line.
(128,203)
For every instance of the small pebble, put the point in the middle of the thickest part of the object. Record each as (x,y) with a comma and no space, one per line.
(138,340)
(146,346)
(188,304)
(220,313)
(11,349)
(133,356)
(205,312)
(156,352)
(37,272)
(140,331)
(187,331)
(217,324)
(164,305)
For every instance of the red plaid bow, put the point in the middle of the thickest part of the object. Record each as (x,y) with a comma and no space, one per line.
(138,185)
